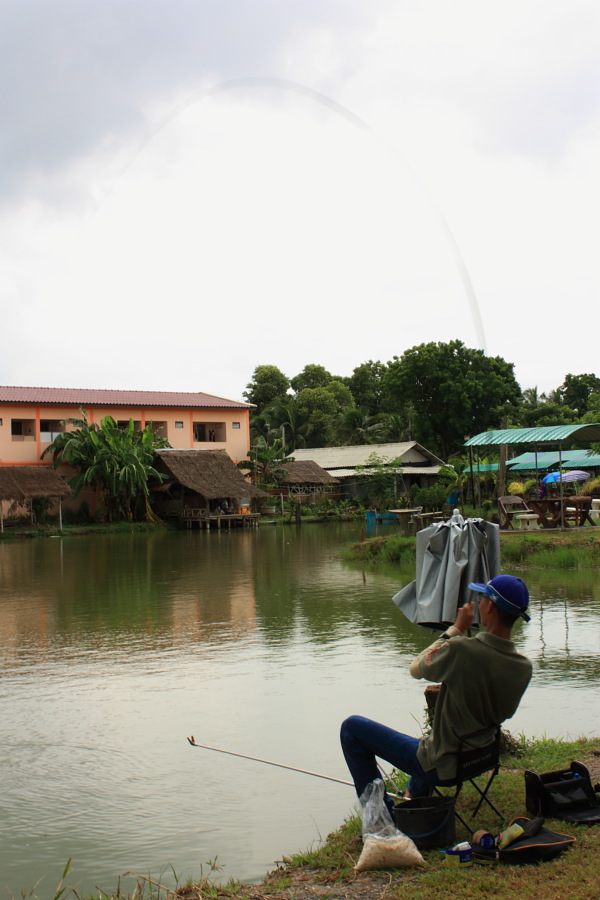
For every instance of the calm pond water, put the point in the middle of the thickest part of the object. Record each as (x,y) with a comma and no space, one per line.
(115,648)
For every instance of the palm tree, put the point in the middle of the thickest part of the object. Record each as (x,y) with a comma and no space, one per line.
(117,463)
(286,421)
(355,426)
(266,463)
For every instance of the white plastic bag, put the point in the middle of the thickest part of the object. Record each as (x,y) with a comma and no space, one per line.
(384,846)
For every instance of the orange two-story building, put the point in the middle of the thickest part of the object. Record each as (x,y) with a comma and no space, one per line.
(30,419)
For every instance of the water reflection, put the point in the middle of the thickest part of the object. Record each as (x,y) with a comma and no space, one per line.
(259,641)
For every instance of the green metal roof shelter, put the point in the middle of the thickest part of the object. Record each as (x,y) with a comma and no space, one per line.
(546,459)
(553,434)
(582,462)
(482,467)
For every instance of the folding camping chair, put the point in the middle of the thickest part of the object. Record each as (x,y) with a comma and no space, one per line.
(471,762)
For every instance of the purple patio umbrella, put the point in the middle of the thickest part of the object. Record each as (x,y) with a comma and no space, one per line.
(573,475)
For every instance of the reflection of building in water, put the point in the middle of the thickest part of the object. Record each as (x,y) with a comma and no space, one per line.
(220,603)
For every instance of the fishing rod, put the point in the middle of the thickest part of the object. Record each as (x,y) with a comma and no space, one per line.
(269,762)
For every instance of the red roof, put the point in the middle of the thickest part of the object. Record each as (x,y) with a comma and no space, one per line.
(89,397)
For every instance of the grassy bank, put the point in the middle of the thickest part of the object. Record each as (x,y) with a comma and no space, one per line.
(327,872)
(574,549)
(17,532)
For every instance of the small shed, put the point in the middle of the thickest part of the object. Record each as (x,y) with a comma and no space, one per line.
(197,477)
(21,483)
(304,478)
(414,463)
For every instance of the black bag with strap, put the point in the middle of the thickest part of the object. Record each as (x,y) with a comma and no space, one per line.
(567,795)
(536,845)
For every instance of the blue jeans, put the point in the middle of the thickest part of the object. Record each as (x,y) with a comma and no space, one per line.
(362,740)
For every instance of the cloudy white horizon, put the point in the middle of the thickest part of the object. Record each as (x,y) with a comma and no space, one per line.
(192,188)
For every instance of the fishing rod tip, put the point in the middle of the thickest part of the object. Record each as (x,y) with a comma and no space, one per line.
(192,740)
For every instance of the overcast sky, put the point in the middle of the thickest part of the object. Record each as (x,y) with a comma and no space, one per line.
(192,188)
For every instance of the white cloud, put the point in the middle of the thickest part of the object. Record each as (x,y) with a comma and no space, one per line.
(179,239)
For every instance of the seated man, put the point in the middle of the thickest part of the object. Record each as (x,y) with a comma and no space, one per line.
(483,679)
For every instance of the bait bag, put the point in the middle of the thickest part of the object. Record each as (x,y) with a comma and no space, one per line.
(384,847)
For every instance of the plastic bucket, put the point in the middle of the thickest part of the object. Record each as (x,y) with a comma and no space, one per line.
(429,821)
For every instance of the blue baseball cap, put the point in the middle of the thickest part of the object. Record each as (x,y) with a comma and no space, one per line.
(507,592)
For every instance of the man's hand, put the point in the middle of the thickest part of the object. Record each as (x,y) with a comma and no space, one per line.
(465,616)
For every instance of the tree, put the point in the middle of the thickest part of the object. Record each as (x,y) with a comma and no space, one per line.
(577,389)
(311,376)
(396,427)
(356,426)
(268,384)
(531,398)
(366,386)
(547,414)
(285,420)
(266,464)
(341,392)
(379,477)
(117,463)
(455,391)
(317,407)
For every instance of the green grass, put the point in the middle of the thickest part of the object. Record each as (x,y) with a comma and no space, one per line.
(326,870)
(560,550)
(395,548)
(571,876)
(556,550)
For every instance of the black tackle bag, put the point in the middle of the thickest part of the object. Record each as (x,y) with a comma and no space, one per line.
(537,845)
(567,795)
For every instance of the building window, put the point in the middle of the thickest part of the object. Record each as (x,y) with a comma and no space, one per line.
(123,425)
(159,428)
(49,429)
(22,429)
(178,424)
(235,424)
(209,432)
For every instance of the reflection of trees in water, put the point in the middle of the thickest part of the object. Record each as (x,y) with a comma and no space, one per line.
(328,599)
(572,668)
(578,585)
(276,584)
(566,622)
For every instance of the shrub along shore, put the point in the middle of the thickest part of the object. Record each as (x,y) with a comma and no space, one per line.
(571,549)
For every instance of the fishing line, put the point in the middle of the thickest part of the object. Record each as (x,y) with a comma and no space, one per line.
(283,84)
(269,762)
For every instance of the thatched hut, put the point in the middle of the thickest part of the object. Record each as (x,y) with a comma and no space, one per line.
(305,478)
(197,478)
(18,484)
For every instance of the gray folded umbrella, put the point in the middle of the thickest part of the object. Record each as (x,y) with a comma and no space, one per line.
(449,556)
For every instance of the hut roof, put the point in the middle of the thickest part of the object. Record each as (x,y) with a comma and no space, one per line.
(24,482)
(211,473)
(307,472)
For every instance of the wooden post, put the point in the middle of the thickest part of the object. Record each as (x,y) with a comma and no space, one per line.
(501,485)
